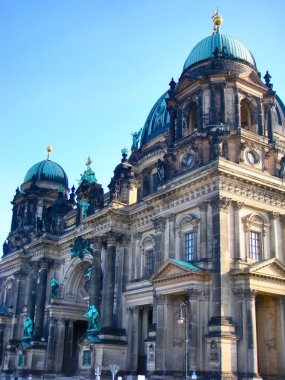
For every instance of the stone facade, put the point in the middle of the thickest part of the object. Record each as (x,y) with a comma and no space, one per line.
(192,227)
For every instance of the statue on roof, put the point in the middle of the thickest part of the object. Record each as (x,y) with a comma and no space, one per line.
(89,174)
(136,138)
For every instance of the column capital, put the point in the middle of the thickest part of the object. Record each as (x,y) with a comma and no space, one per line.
(112,238)
(172,217)
(193,294)
(97,242)
(161,299)
(245,294)
(220,204)
(273,215)
(238,205)
(159,223)
(137,235)
(126,240)
(203,206)
(44,263)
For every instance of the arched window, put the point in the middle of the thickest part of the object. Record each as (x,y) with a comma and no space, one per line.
(147,255)
(245,115)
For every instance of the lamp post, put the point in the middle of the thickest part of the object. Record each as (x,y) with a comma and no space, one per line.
(182,319)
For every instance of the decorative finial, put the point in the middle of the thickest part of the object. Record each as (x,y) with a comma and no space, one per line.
(88,162)
(49,150)
(217,20)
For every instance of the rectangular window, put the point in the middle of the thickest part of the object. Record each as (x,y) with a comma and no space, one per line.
(149,262)
(86,357)
(254,245)
(189,246)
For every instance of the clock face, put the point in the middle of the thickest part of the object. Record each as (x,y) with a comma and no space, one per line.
(252,157)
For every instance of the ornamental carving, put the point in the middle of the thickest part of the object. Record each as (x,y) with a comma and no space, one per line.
(245,294)
(159,224)
(220,204)
(80,247)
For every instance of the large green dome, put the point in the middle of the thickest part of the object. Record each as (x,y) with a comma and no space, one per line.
(229,46)
(47,170)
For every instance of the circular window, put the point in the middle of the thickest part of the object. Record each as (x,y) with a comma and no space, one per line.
(252,157)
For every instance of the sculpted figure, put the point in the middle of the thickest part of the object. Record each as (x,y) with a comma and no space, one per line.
(54,288)
(93,318)
(28,327)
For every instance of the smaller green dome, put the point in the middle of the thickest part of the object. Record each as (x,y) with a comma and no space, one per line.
(47,170)
(229,46)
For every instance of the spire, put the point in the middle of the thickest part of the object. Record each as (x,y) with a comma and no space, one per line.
(217,20)
(49,150)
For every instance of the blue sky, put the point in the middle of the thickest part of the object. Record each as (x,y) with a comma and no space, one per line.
(82,75)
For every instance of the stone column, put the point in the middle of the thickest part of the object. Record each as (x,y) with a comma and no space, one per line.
(109,282)
(171,220)
(2,328)
(237,110)
(200,113)
(51,345)
(32,289)
(273,235)
(282,238)
(121,280)
(161,334)
(172,125)
(203,230)
(95,281)
(59,345)
(159,226)
(260,118)
(281,308)
(220,261)
(41,299)
(213,116)
(134,339)
(68,363)
(237,228)
(241,329)
(223,105)
(269,123)
(252,358)
(193,325)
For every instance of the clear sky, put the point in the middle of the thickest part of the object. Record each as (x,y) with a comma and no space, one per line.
(82,75)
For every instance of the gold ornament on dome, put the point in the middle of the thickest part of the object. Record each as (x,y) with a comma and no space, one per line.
(49,150)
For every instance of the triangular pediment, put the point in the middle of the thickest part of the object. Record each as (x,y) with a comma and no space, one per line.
(272,268)
(173,269)
(250,78)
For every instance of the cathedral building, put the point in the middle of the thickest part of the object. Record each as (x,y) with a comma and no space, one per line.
(179,268)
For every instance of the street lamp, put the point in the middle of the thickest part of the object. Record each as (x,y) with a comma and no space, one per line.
(182,319)
(114,368)
(97,371)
